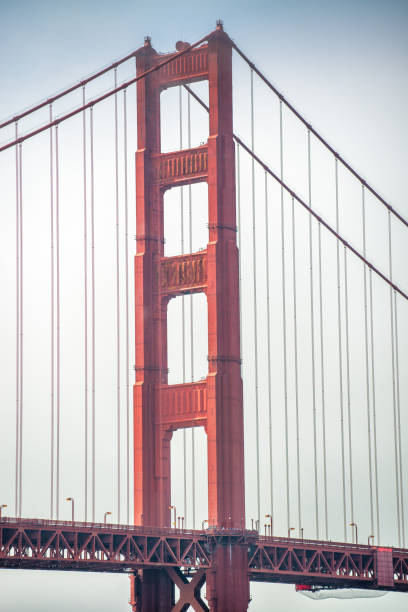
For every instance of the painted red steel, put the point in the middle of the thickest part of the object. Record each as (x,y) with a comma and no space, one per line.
(216,403)
(63,545)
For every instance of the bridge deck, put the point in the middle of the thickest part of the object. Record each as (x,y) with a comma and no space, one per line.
(62,545)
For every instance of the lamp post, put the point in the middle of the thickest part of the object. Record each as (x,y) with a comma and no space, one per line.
(257,525)
(269,516)
(289,530)
(301,533)
(105,515)
(355,527)
(1,507)
(202,524)
(174,515)
(71,499)
(371,537)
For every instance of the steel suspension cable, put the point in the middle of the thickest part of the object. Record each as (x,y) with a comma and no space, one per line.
(295,338)
(125,156)
(268,335)
(399,416)
(190,234)
(52,305)
(258,485)
(284,325)
(312,332)
(85,309)
(239,245)
(340,345)
(118,346)
(58,317)
(300,201)
(377,503)
(370,469)
(347,343)
(394,392)
(183,312)
(92,177)
(322,374)
(17,471)
(20,503)
(317,135)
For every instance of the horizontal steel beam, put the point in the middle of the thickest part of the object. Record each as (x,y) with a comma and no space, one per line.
(65,545)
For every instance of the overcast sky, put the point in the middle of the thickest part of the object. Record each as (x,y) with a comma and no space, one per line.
(343,65)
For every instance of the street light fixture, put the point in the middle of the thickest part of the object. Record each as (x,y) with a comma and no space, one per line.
(105,515)
(355,527)
(1,507)
(301,533)
(174,515)
(289,530)
(371,537)
(71,499)
(202,524)
(269,516)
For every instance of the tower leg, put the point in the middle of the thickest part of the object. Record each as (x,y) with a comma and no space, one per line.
(228,580)
(151,590)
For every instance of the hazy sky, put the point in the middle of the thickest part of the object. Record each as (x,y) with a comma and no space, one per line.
(343,64)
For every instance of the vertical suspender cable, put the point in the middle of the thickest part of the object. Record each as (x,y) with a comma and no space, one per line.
(399,416)
(58,329)
(350,444)
(85,313)
(258,488)
(326,515)
(268,333)
(312,338)
(17,324)
(183,311)
(190,233)
(339,322)
(91,135)
(21,334)
(52,319)
(370,468)
(117,295)
(125,169)
(394,393)
(295,337)
(284,330)
(239,244)
(377,503)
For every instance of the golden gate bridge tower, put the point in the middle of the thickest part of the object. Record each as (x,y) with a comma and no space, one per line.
(216,403)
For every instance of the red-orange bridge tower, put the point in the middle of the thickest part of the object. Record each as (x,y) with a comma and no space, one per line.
(216,403)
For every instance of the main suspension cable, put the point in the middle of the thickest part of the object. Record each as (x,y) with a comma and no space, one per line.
(318,136)
(324,223)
